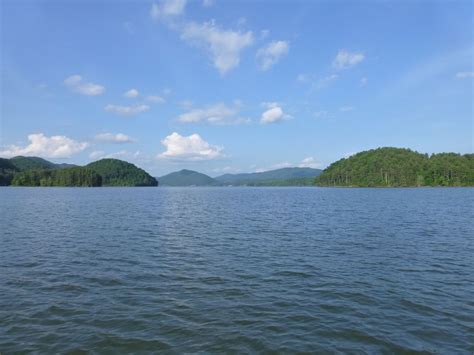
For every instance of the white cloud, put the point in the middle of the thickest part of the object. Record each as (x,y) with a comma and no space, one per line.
(316,83)
(127,110)
(273,114)
(207,3)
(97,154)
(156,99)
(224,46)
(363,81)
(215,114)
(131,94)
(76,84)
(166,9)
(191,147)
(113,138)
(47,147)
(310,162)
(346,108)
(345,59)
(465,75)
(270,54)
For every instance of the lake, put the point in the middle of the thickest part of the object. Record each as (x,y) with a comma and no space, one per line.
(240,270)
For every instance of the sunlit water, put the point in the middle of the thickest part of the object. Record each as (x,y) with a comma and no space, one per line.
(236,270)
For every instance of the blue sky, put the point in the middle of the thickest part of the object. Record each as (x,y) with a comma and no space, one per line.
(234,86)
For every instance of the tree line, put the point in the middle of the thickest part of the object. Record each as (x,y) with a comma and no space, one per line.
(396,167)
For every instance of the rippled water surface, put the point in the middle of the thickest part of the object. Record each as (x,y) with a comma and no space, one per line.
(236,270)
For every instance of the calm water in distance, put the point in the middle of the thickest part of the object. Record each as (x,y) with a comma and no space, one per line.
(236,270)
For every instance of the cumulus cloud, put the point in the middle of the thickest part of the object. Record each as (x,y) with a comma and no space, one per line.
(156,99)
(47,147)
(345,59)
(191,147)
(273,114)
(166,9)
(118,138)
(219,114)
(127,110)
(131,94)
(77,84)
(465,75)
(270,54)
(223,46)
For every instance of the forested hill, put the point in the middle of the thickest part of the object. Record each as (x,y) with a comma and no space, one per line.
(278,177)
(187,178)
(34,163)
(396,167)
(34,171)
(116,172)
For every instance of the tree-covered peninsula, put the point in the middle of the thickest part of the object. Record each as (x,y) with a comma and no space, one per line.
(34,171)
(396,167)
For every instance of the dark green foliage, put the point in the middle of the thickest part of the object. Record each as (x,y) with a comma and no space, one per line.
(309,181)
(116,172)
(36,163)
(396,167)
(78,176)
(187,178)
(7,171)
(278,177)
(31,163)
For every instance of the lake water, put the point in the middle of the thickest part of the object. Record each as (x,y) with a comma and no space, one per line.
(236,270)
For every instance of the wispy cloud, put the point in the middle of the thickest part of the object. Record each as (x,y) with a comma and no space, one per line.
(118,138)
(270,54)
(219,114)
(131,94)
(346,108)
(77,84)
(346,60)
(465,75)
(166,9)
(223,46)
(156,99)
(127,110)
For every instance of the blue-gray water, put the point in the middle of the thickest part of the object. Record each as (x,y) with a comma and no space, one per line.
(236,270)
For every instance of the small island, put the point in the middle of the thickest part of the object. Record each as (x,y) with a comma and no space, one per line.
(35,171)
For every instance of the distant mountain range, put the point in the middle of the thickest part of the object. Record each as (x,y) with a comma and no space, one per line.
(187,178)
(278,177)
